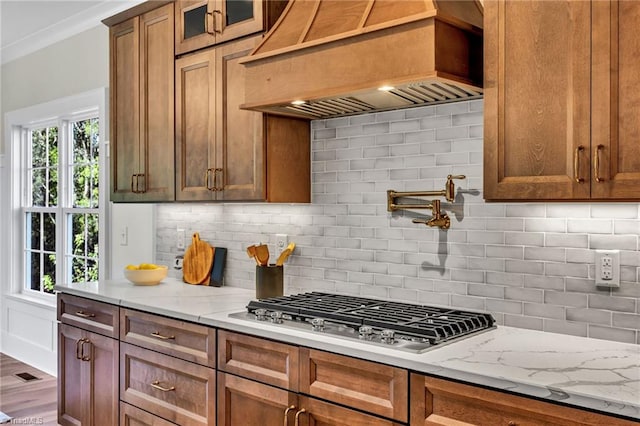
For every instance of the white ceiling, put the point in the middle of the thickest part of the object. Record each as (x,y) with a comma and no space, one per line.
(30,25)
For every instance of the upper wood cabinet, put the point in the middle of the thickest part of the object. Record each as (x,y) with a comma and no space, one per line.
(142,107)
(205,23)
(225,153)
(560,103)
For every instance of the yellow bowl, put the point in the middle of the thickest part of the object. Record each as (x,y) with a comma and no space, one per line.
(146,276)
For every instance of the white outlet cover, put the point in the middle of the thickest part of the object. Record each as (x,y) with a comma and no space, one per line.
(607,276)
(282,240)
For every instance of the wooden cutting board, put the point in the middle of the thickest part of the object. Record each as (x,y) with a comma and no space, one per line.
(197,261)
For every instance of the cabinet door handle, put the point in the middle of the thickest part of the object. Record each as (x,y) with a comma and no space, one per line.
(156,385)
(78,353)
(576,164)
(297,423)
(512,423)
(84,314)
(206,179)
(215,180)
(85,357)
(596,163)
(206,23)
(132,189)
(215,27)
(286,414)
(157,335)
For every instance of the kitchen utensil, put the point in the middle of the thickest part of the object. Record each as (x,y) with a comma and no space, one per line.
(197,261)
(262,254)
(285,254)
(251,252)
(269,281)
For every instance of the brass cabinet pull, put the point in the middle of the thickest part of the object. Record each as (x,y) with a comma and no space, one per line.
(215,180)
(156,385)
(78,353)
(206,23)
(157,335)
(596,163)
(576,164)
(286,414)
(80,349)
(297,423)
(84,314)
(132,190)
(512,423)
(206,179)
(215,27)
(136,188)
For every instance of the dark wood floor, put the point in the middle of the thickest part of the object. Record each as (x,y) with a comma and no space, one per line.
(35,400)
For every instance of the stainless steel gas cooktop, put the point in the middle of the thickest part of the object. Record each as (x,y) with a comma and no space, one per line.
(404,326)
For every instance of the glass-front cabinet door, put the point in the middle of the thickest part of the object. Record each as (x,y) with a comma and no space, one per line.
(204,23)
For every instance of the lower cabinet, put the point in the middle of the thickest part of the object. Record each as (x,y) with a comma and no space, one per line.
(248,403)
(87,378)
(174,389)
(438,402)
(132,416)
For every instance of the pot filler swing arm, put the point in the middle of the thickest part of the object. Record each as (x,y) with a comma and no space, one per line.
(438,218)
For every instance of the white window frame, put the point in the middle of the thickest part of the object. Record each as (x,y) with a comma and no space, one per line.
(19,121)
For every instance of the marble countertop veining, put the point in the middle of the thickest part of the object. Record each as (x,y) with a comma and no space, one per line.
(588,373)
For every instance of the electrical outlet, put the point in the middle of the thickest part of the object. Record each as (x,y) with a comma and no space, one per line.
(178,261)
(180,239)
(281,243)
(608,268)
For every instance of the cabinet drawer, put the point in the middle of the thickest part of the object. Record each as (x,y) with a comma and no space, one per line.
(269,362)
(191,342)
(368,386)
(132,416)
(442,402)
(87,314)
(176,390)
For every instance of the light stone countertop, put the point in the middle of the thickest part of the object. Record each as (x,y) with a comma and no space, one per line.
(588,373)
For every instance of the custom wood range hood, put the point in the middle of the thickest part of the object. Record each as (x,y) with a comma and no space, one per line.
(330,58)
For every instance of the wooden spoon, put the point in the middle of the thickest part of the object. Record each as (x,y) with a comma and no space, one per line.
(251,252)
(262,254)
(285,254)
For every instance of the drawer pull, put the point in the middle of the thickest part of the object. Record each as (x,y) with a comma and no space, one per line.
(286,414)
(298,416)
(596,163)
(83,314)
(156,385)
(78,352)
(85,357)
(576,165)
(157,335)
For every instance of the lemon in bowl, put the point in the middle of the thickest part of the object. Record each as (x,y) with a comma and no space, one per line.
(146,273)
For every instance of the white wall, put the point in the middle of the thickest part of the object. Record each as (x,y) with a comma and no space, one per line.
(72,66)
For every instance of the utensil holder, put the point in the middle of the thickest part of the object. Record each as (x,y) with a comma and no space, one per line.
(269,281)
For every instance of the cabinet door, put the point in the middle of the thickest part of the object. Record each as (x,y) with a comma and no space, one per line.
(237,18)
(239,133)
(156,105)
(125,108)
(248,403)
(87,378)
(205,23)
(616,100)
(142,107)
(320,413)
(537,100)
(195,126)
(132,416)
(72,386)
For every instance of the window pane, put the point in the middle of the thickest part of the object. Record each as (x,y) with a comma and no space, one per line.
(49,278)
(81,186)
(38,148)
(53,188)
(33,259)
(85,160)
(92,235)
(33,231)
(78,266)
(92,270)
(49,230)
(239,10)
(39,187)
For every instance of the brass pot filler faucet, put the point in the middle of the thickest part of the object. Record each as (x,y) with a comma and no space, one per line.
(439,219)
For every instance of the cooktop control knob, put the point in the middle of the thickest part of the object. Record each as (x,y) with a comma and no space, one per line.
(365,332)
(387,336)
(276,317)
(317,324)
(261,314)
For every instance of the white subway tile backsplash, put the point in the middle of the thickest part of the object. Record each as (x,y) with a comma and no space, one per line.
(530,264)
